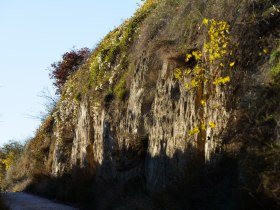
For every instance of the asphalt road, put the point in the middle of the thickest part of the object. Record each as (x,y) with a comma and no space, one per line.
(24,201)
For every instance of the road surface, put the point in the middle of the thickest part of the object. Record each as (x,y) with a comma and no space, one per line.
(24,201)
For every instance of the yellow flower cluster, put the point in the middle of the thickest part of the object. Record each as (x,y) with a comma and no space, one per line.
(221,80)
(212,125)
(197,129)
(203,102)
(216,48)
(178,74)
(197,55)
(198,76)
(194,131)
(205,21)
(219,41)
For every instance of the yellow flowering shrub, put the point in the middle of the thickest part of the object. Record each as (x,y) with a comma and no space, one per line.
(9,160)
(210,62)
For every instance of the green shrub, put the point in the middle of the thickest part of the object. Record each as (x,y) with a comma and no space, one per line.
(120,89)
(276,70)
(275,61)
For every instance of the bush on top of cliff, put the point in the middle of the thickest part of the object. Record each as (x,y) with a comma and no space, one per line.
(70,62)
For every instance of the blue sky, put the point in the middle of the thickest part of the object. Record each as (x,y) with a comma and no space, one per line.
(34,34)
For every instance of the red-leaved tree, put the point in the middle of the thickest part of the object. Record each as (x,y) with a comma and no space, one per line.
(70,62)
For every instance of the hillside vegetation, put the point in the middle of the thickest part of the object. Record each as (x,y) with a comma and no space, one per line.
(177,108)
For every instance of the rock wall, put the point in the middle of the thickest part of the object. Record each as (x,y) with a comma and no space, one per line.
(148,134)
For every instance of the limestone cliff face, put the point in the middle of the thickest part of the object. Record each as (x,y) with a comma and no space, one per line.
(134,138)
(146,135)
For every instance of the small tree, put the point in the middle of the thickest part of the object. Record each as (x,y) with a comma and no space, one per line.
(70,62)
(9,153)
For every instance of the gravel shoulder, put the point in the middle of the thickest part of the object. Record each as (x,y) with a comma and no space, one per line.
(24,201)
